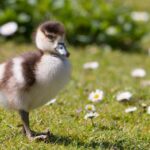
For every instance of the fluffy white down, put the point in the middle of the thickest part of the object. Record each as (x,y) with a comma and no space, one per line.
(52,74)
(43,43)
(2,69)
(18,72)
(3,99)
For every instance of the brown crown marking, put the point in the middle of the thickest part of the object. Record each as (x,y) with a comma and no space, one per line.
(53,27)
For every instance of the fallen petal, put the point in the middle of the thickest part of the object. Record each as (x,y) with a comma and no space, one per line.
(91,65)
(124,96)
(130,109)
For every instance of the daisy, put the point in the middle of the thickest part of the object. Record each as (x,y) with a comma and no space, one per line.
(91,115)
(138,73)
(51,102)
(130,109)
(9,28)
(90,108)
(91,65)
(144,105)
(140,16)
(124,96)
(96,96)
(111,31)
(148,110)
(23,17)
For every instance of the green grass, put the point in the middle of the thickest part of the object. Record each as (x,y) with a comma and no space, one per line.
(114,128)
(138,5)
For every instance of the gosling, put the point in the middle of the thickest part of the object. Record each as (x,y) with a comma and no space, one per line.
(33,78)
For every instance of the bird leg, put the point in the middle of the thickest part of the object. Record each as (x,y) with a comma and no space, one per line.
(28,132)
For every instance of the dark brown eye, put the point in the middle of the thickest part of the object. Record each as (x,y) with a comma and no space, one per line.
(50,36)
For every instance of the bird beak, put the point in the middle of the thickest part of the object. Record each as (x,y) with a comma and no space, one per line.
(61,49)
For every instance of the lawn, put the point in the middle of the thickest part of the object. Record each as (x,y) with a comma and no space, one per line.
(136,4)
(114,129)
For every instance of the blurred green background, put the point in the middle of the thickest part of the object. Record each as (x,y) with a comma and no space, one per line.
(114,23)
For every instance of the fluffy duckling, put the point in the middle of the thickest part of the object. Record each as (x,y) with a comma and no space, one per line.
(32,79)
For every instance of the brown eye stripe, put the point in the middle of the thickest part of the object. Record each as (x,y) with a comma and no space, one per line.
(51,36)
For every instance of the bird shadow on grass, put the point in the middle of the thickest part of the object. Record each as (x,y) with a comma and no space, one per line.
(66,141)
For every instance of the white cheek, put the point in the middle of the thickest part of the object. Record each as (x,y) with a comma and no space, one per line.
(46,45)
(55,44)
(42,42)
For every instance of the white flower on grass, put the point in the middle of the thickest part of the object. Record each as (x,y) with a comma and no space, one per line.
(91,115)
(111,30)
(138,73)
(123,96)
(51,102)
(140,16)
(9,28)
(148,110)
(144,105)
(23,17)
(96,96)
(130,109)
(32,2)
(90,108)
(91,65)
